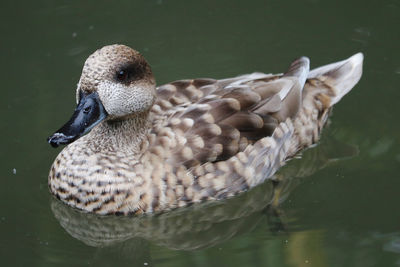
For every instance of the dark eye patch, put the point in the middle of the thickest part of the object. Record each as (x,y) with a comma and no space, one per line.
(122,75)
(128,73)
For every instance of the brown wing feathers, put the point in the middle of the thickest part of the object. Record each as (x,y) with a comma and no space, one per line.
(214,120)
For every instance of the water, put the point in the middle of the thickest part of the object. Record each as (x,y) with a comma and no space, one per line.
(338,204)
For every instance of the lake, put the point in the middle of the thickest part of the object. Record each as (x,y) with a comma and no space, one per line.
(337,203)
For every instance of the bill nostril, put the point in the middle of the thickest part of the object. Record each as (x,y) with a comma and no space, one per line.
(87,109)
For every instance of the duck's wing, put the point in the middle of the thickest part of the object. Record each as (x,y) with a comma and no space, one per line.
(206,120)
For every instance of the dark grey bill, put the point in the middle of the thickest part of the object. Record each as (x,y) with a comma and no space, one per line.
(88,113)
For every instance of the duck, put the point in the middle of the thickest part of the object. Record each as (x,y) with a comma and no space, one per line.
(133,147)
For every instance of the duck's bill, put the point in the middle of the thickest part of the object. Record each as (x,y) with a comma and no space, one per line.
(88,113)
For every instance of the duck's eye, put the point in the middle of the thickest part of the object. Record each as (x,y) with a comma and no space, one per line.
(128,72)
(122,75)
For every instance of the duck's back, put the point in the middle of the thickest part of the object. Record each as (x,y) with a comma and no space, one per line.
(233,134)
(204,120)
(213,120)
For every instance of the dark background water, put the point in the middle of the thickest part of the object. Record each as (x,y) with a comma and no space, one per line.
(339,203)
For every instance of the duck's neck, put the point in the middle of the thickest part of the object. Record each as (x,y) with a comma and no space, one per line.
(121,135)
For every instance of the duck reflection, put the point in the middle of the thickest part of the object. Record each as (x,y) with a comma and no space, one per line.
(207,224)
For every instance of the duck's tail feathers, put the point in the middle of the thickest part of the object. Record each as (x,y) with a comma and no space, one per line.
(300,69)
(341,76)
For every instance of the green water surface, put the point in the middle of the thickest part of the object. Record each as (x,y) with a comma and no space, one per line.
(339,203)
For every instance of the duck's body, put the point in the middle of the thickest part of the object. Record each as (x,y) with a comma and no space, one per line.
(187,141)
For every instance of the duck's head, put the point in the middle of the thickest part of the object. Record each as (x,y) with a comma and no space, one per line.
(116,82)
